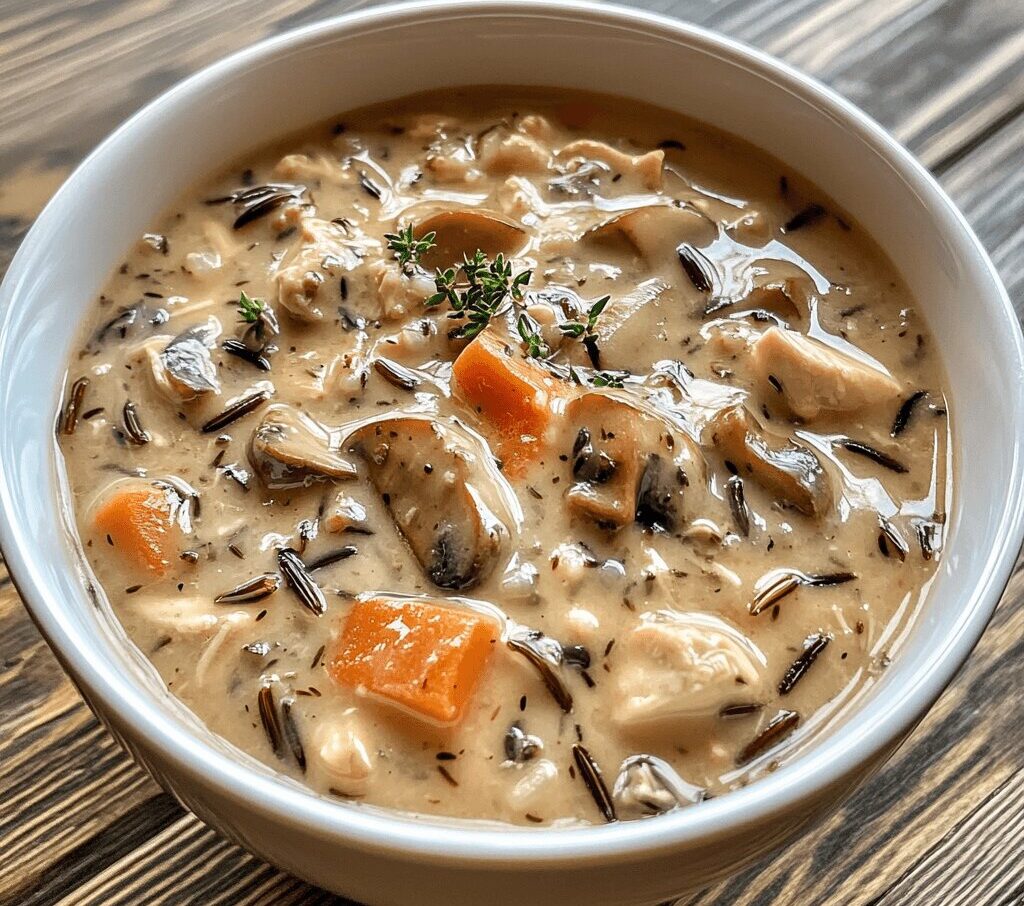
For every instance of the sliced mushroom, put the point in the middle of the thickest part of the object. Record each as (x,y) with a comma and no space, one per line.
(184,370)
(654,231)
(623,463)
(463,232)
(426,478)
(684,665)
(815,378)
(325,250)
(290,450)
(646,785)
(792,472)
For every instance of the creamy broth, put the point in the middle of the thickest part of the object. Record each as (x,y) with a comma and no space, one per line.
(664,537)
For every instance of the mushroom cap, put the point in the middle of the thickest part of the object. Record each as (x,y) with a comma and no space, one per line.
(425,477)
(185,369)
(654,231)
(628,464)
(792,472)
(463,232)
(289,450)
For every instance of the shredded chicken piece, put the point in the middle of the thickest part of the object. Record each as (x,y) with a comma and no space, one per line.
(339,757)
(325,250)
(503,153)
(647,168)
(679,665)
(400,293)
(320,166)
(518,197)
(533,789)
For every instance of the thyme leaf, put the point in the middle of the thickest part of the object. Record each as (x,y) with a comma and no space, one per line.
(529,330)
(613,379)
(407,247)
(576,330)
(249,308)
(481,294)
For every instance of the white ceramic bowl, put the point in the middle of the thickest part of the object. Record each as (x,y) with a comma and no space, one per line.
(310,74)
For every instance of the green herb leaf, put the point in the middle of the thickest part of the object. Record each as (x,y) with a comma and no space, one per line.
(572,329)
(529,330)
(249,308)
(595,312)
(613,379)
(576,330)
(485,288)
(407,248)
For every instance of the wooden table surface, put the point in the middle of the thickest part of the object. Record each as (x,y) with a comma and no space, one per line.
(943,823)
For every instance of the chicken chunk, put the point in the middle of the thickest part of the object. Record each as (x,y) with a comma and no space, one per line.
(338,756)
(816,379)
(502,152)
(325,251)
(450,157)
(534,786)
(645,168)
(399,292)
(685,665)
(311,168)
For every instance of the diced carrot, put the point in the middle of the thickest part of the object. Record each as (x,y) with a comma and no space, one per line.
(509,392)
(139,523)
(425,657)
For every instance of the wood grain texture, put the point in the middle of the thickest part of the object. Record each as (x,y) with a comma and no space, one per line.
(943,822)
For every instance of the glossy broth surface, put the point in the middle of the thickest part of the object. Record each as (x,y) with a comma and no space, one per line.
(651,484)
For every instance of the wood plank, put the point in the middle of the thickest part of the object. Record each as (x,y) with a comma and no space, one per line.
(188,854)
(938,73)
(976,863)
(102,59)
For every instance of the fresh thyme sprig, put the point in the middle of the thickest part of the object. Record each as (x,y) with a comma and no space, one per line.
(587,331)
(612,379)
(408,248)
(529,330)
(249,308)
(576,330)
(485,288)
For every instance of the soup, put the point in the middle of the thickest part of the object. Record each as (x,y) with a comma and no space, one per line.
(510,454)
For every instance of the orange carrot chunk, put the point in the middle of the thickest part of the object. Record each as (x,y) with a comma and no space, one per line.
(139,523)
(425,657)
(507,391)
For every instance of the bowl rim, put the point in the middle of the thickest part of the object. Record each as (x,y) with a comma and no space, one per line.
(838,755)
